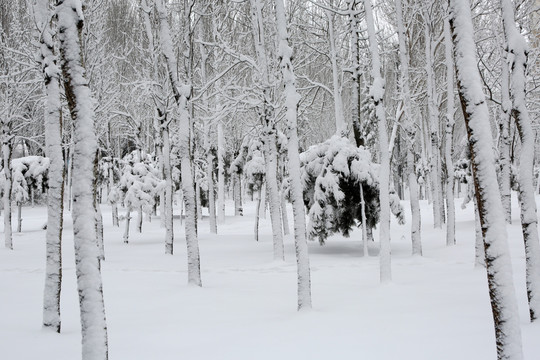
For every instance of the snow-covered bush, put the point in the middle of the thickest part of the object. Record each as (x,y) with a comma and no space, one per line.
(333,174)
(140,182)
(29,174)
(254,167)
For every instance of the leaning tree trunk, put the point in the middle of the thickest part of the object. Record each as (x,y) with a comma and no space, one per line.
(517,49)
(53,150)
(377,94)
(292,99)
(488,197)
(79,98)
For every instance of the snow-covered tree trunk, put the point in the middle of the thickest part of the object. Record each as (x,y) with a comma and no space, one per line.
(448,149)
(354,28)
(114,205)
(19,217)
(126,228)
(211,195)
(504,146)
(518,51)
(168,194)
(433,122)
(479,254)
(377,94)
(6,158)
(273,192)
(99,229)
(221,172)
(338,103)
(284,215)
(181,95)
(79,98)
(238,210)
(492,217)
(410,130)
(364,225)
(257,214)
(53,150)
(292,99)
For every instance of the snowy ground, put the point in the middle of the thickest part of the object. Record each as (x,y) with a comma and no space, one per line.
(437,306)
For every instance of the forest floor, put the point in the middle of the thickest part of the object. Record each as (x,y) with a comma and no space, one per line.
(437,306)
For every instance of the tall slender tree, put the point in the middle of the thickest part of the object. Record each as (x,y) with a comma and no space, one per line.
(491,213)
(79,98)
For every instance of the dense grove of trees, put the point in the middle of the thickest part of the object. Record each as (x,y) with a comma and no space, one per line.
(341,107)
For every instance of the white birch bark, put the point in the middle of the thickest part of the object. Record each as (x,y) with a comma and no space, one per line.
(271,189)
(181,95)
(377,94)
(410,130)
(221,172)
(492,217)
(211,195)
(518,51)
(504,147)
(448,149)
(433,125)
(273,193)
(53,150)
(6,158)
(292,99)
(338,103)
(92,308)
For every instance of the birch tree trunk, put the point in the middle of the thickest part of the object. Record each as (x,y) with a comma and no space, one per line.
(181,95)
(448,149)
(269,134)
(504,147)
(492,217)
(53,150)
(377,94)
(211,195)
(518,51)
(292,99)
(92,308)
(6,153)
(273,193)
(338,103)
(433,125)
(221,173)
(410,133)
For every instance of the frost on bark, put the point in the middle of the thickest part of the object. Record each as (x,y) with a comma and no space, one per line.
(92,309)
(492,217)
(377,94)
(448,148)
(53,150)
(181,94)
(408,126)
(517,57)
(291,102)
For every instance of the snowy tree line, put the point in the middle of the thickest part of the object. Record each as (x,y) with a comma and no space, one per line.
(341,108)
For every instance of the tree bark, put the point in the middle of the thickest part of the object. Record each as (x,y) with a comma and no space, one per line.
(92,308)
(492,216)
